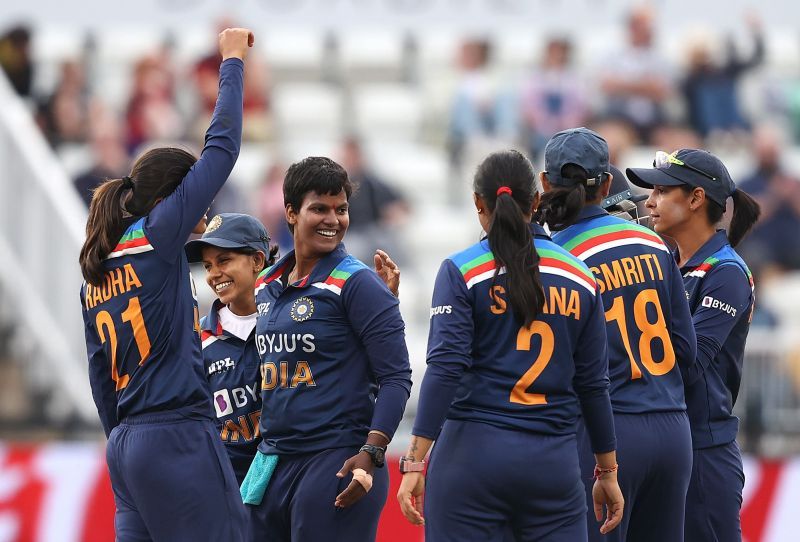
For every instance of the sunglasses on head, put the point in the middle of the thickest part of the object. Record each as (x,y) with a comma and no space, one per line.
(664,160)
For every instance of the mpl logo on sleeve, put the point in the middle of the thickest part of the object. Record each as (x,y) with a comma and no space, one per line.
(711,303)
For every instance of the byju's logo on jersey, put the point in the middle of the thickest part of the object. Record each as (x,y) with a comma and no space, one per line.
(302,309)
(712,303)
(222,403)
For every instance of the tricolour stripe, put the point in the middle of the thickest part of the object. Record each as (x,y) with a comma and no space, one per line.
(593,234)
(557,263)
(701,270)
(600,247)
(486,275)
(132,250)
(133,241)
(330,287)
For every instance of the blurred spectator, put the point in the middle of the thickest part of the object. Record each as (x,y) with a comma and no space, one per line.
(64,116)
(553,98)
(152,113)
(481,109)
(710,87)
(376,210)
(256,121)
(636,79)
(15,59)
(774,243)
(271,208)
(111,160)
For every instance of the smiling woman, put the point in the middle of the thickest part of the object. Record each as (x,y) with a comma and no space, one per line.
(234,249)
(332,342)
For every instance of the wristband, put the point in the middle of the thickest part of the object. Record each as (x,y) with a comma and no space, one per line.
(599,471)
(407,464)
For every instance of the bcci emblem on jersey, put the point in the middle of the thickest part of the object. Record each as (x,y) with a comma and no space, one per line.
(302,309)
(214,224)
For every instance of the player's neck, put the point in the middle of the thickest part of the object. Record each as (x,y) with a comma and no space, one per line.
(690,240)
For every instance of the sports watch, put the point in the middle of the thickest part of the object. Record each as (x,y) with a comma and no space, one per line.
(407,464)
(377,453)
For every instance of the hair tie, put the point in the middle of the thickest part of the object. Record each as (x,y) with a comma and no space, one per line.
(503,190)
(127,182)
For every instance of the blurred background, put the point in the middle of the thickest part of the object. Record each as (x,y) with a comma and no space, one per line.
(409,95)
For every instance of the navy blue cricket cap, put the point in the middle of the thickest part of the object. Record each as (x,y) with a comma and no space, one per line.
(230,230)
(700,169)
(579,146)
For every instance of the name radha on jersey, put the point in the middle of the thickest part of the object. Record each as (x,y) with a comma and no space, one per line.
(118,281)
(627,271)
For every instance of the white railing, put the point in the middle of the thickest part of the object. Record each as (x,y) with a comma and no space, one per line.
(41,231)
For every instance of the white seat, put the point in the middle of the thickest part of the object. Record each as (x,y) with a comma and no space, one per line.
(308,110)
(370,55)
(387,111)
(294,53)
(418,171)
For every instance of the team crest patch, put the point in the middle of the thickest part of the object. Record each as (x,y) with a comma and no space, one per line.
(214,224)
(302,309)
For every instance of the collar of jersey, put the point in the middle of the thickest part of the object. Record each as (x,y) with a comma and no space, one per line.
(212,323)
(591,211)
(322,269)
(538,231)
(711,247)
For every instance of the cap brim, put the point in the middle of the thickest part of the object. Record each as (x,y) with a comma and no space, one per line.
(650,177)
(194,249)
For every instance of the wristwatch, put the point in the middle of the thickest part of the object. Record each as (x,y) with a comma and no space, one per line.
(407,464)
(377,453)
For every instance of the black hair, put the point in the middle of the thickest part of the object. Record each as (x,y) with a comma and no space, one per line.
(509,236)
(315,173)
(746,211)
(155,175)
(269,259)
(560,206)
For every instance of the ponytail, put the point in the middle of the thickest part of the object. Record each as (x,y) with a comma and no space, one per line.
(560,206)
(505,180)
(154,176)
(745,214)
(103,229)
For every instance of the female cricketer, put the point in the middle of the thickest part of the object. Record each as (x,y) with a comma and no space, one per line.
(335,374)
(690,190)
(169,472)
(516,350)
(650,336)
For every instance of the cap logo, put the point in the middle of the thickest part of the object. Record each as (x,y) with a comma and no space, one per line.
(214,224)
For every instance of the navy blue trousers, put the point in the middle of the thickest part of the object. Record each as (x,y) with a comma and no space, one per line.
(654,453)
(714,500)
(485,483)
(173,481)
(298,504)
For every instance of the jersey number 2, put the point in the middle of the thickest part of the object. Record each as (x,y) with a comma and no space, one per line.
(649,331)
(108,333)
(520,393)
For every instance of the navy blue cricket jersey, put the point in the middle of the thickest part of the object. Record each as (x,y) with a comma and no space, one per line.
(142,323)
(232,369)
(649,326)
(334,363)
(484,366)
(720,290)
